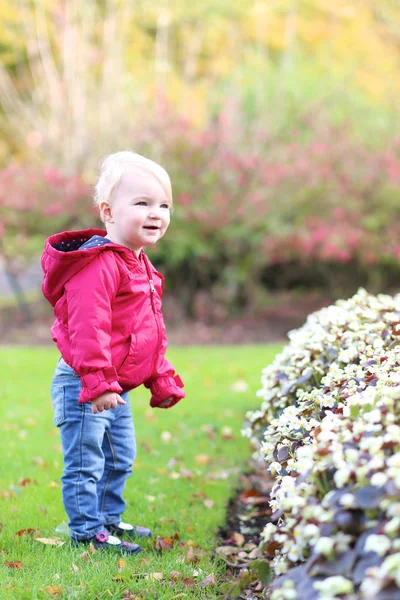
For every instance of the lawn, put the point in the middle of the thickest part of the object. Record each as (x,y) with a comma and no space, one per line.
(188,463)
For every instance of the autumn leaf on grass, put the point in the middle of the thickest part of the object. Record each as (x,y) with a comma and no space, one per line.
(129,595)
(186,473)
(190,556)
(53,590)
(203,459)
(165,543)
(28,531)
(175,575)
(208,503)
(156,576)
(210,580)
(17,564)
(50,541)
(227,433)
(26,481)
(121,564)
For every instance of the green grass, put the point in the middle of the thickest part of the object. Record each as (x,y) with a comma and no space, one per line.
(155,497)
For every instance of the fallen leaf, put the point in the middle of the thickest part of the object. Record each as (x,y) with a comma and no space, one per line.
(227,433)
(186,473)
(238,538)
(240,386)
(156,576)
(121,564)
(210,580)
(38,460)
(50,541)
(208,503)
(129,595)
(190,556)
(175,575)
(189,582)
(29,531)
(53,590)
(199,495)
(203,459)
(92,549)
(26,481)
(165,543)
(166,520)
(172,462)
(146,561)
(210,430)
(224,551)
(17,564)
(85,556)
(166,436)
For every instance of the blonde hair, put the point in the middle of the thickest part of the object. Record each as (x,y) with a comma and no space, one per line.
(113,166)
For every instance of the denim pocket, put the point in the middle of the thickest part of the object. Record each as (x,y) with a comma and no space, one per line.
(58,399)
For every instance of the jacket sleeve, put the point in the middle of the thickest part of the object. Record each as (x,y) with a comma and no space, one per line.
(164,382)
(89,296)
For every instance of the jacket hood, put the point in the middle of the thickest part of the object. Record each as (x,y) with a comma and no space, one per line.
(62,258)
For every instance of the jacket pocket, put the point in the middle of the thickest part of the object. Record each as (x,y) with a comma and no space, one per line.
(130,358)
(58,399)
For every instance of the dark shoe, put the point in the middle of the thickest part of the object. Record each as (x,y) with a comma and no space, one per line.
(131,531)
(105,541)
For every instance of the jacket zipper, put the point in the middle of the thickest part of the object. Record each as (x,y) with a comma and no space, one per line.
(152,292)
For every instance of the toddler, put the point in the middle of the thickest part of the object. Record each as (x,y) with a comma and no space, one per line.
(110,332)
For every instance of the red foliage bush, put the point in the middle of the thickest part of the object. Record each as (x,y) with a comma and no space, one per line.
(254,211)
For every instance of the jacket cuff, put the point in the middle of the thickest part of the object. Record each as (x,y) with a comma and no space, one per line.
(164,387)
(95,384)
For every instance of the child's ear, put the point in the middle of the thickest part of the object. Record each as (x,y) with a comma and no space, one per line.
(105,212)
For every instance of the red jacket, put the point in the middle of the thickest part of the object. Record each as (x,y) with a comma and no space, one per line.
(109,326)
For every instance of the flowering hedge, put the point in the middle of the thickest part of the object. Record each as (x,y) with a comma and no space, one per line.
(329,429)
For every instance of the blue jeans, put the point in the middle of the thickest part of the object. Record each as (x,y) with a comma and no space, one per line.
(99,451)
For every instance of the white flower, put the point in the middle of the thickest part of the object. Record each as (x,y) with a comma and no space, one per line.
(275,467)
(370,587)
(341,477)
(392,526)
(311,531)
(394,461)
(377,543)
(268,531)
(347,500)
(379,479)
(393,509)
(324,546)
(391,567)
(392,392)
(334,586)
(293,554)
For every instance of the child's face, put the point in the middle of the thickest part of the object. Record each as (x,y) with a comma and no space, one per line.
(139,213)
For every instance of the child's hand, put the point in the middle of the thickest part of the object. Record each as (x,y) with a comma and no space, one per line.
(165,403)
(106,401)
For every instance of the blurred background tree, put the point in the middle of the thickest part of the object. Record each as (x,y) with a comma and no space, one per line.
(277,119)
